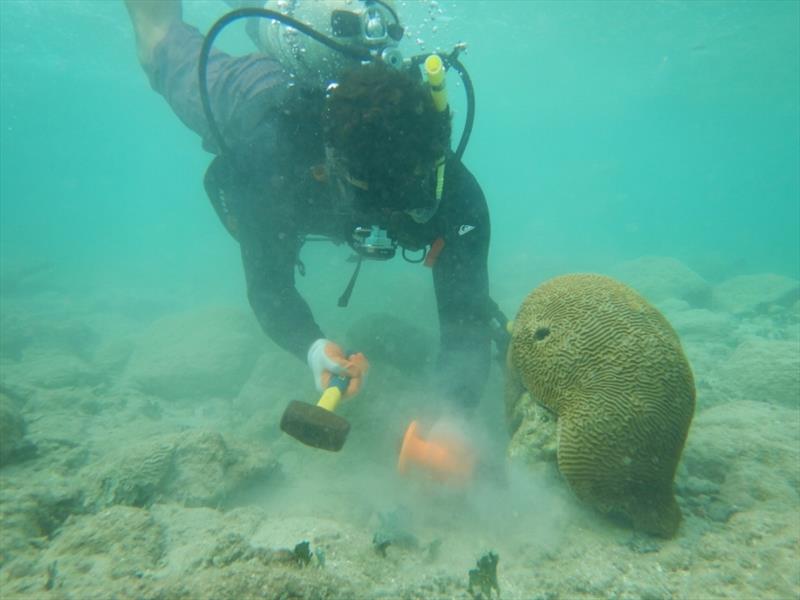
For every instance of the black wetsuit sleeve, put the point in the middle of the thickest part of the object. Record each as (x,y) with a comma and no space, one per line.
(241,91)
(233,83)
(461,283)
(270,244)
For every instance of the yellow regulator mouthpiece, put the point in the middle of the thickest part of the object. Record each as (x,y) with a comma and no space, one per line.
(434,71)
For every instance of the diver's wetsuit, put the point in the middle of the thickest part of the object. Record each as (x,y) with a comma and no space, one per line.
(275,135)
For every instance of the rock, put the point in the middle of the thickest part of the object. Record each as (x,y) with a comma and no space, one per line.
(33,514)
(702,323)
(706,357)
(662,278)
(13,445)
(241,553)
(672,307)
(761,370)
(208,471)
(756,293)
(134,477)
(264,574)
(53,369)
(695,486)
(195,355)
(119,542)
(195,468)
(719,511)
(643,544)
(749,450)
(111,355)
(68,335)
(20,525)
(534,440)
(730,559)
(30,332)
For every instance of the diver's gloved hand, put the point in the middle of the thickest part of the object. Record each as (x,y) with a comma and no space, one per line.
(327,358)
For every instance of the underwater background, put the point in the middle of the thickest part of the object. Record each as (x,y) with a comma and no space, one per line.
(654,141)
(604,131)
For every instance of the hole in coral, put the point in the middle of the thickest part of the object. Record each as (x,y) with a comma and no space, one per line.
(541,333)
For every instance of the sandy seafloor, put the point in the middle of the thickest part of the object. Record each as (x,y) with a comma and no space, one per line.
(151,464)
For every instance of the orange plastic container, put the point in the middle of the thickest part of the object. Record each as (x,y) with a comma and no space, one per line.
(444,457)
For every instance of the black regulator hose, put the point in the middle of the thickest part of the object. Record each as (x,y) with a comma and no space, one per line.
(451,61)
(470,118)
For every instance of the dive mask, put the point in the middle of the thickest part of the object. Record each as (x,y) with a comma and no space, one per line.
(415,196)
(418,195)
(423,214)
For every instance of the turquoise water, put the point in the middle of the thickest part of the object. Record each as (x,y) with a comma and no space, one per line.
(605,131)
(140,453)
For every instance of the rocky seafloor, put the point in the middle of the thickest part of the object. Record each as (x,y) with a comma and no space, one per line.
(140,457)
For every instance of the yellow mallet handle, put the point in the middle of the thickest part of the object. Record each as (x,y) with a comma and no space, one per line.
(333,394)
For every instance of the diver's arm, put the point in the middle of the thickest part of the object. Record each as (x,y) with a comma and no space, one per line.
(461,282)
(151,21)
(269,254)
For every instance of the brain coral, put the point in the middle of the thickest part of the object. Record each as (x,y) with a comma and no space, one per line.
(611,369)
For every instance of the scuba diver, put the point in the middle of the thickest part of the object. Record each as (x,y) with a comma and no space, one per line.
(329,132)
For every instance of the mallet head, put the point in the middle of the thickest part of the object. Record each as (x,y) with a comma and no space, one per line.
(315,426)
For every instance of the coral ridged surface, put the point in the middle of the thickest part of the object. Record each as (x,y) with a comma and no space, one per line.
(612,369)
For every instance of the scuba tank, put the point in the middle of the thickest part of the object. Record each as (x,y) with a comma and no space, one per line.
(371,24)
